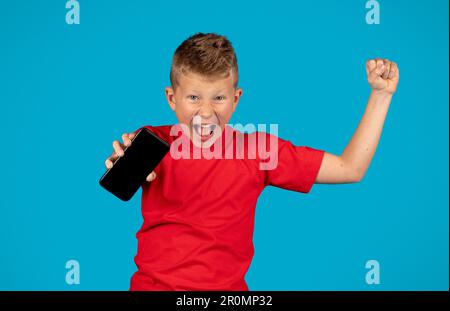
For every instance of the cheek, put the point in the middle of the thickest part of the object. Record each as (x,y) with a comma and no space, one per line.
(183,112)
(225,112)
(183,117)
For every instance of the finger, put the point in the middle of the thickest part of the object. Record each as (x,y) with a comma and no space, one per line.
(117,148)
(391,73)
(151,176)
(109,163)
(378,61)
(379,70)
(126,140)
(386,63)
(370,65)
(395,73)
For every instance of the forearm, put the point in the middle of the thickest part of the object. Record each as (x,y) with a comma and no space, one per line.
(352,164)
(360,150)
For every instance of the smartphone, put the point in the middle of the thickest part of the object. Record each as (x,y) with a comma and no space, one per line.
(130,171)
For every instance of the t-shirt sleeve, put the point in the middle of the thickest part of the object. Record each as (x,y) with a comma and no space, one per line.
(297,167)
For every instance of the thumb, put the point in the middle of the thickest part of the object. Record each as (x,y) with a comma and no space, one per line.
(151,176)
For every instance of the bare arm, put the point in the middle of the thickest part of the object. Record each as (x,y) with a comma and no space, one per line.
(353,163)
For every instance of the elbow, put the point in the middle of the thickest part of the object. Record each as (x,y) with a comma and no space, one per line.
(356,179)
(356,176)
(354,171)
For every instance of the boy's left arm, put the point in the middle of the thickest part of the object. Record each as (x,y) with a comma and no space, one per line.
(352,164)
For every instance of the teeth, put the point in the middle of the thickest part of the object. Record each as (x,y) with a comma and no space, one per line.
(202,128)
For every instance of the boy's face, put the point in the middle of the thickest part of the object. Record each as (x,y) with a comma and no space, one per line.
(203,104)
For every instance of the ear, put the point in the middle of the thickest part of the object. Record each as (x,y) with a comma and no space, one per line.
(237,96)
(170,95)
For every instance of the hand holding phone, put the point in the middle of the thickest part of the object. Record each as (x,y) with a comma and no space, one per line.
(133,162)
(119,152)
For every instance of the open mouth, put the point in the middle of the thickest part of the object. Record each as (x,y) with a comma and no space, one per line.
(205,131)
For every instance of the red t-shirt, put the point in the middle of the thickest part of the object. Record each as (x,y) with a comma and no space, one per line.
(198,214)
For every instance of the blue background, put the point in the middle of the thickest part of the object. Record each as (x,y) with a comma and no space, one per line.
(67,91)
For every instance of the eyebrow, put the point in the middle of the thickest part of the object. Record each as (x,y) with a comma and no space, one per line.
(218,92)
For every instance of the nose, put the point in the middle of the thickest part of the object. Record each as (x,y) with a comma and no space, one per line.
(206,111)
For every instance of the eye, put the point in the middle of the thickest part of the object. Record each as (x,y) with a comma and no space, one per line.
(220,98)
(192,97)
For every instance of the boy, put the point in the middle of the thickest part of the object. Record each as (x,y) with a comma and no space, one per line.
(198,214)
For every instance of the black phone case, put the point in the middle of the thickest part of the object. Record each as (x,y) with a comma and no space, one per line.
(139,160)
